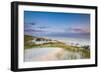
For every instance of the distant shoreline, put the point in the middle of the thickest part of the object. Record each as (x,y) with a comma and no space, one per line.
(71,41)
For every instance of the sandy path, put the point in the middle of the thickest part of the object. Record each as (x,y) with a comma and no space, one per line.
(43,54)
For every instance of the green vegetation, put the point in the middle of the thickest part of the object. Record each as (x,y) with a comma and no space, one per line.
(27,38)
(27,41)
(84,50)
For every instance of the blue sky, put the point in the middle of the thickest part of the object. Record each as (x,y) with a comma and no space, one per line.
(54,22)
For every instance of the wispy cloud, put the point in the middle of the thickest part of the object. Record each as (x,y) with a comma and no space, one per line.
(79,30)
(30,23)
(42,27)
(32,30)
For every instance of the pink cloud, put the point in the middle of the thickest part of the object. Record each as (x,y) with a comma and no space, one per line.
(80,30)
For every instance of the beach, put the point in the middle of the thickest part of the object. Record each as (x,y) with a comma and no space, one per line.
(47,54)
(51,48)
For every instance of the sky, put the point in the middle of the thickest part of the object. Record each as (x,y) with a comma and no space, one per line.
(49,23)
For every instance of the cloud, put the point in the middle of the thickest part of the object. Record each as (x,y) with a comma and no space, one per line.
(31,23)
(42,27)
(79,30)
(33,30)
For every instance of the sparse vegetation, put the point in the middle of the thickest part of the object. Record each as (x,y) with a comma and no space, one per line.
(84,50)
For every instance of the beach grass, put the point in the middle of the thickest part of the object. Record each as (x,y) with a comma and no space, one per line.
(29,44)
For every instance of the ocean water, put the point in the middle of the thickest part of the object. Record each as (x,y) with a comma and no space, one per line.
(71,39)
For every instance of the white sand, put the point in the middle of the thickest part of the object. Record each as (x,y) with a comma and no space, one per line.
(42,53)
(50,53)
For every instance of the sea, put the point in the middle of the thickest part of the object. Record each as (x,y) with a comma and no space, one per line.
(81,39)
